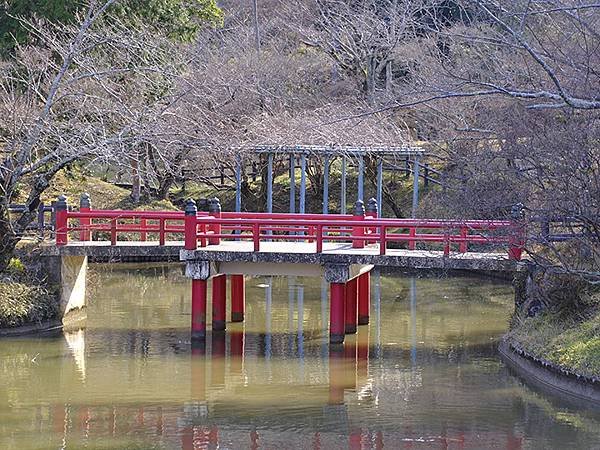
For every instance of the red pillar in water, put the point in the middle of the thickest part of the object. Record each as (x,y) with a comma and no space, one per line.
(219,292)
(198,309)
(364,298)
(238,294)
(336,313)
(351,306)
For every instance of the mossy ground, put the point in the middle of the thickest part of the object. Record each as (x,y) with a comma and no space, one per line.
(569,340)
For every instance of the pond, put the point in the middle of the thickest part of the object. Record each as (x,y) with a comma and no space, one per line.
(425,373)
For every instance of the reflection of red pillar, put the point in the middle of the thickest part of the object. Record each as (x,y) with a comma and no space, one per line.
(198,309)
(379,440)
(336,314)
(199,371)
(317,441)
(213,436)
(59,416)
(219,286)
(355,440)
(362,351)
(336,376)
(238,292)
(236,346)
(253,440)
(364,298)
(350,363)
(351,306)
(217,364)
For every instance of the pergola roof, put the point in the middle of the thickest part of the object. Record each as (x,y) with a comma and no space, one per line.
(336,150)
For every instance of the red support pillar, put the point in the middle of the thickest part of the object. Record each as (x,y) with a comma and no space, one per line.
(351,306)
(198,309)
(219,292)
(364,298)
(336,313)
(238,294)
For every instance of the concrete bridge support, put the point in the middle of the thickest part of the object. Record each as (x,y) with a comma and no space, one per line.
(68,275)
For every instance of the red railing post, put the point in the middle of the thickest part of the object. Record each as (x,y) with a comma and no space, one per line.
(518,236)
(319,238)
(359,215)
(113,231)
(464,233)
(382,240)
(372,212)
(256,236)
(62,221)
(214,210)
(447,241)
(85,205)
(412,243)
(190,225)
(161,231)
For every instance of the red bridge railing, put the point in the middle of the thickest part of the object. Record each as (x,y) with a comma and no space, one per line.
(361,230)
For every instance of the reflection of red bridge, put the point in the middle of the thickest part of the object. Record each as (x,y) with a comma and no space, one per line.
(342,248)
(197,426)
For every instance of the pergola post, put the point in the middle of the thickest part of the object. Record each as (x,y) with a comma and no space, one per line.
(343,190)
(380,186)
(303,183)
(415,199)
(326,186)
(238,183)
(361,177)
(292,183)
(270,184)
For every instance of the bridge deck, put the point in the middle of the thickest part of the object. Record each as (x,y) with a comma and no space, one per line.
(290,252)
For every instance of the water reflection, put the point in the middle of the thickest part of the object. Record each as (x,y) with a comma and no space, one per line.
(423,374)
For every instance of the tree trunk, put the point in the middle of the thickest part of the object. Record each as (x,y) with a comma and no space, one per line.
(136,190)
(8,239)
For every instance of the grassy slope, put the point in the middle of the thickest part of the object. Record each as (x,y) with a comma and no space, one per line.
(564,339)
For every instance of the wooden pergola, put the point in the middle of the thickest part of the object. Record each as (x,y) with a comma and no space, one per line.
(412,155)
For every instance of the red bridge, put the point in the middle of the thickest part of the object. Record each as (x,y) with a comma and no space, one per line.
(342,248)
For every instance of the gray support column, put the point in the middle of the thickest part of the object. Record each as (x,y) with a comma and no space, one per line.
(415,199)
(270,184)
(326,186)
(292,183)
(380,186)
(343,192)
(302,184)
(238,183)
(361,177)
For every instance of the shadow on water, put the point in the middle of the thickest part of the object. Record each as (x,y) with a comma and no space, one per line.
(424,373)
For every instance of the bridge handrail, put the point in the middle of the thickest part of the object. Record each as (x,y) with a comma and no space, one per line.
(359,229)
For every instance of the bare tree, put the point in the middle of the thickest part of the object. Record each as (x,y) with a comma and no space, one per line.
(76,98)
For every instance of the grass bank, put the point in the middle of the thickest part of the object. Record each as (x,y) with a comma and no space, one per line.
(24,301)
(568,337)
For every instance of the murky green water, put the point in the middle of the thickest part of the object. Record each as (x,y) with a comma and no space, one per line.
(424,374)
